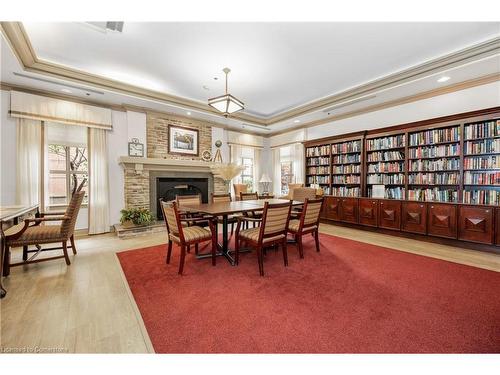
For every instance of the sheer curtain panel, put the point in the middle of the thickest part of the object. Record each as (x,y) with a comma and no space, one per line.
(29,154)
(98,182)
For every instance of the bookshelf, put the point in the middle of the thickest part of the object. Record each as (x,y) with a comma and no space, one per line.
(346,177)
(481,167)
(434,164)
(385,165)
(318,166)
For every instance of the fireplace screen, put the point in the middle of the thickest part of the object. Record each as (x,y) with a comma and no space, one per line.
(170,188)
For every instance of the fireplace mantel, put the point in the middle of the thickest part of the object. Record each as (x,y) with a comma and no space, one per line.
(159,164)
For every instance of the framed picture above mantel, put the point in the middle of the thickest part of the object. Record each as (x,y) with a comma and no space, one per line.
(183,141)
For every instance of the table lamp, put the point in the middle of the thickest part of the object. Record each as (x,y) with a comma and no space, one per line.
(265,181)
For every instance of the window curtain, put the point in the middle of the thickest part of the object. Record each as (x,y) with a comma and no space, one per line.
(29,154)
(98,182)
(235,155)
(276,171)
(298,163)
(257,169)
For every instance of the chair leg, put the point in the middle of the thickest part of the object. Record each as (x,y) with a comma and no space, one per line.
(73,247)
(298,239)
(65,251)
(316,239)
(237,250)
(232,228)
(260,260)
(188,248)
(25,253)
(214,250)
(285,253)
(196,248)
(169,251)
(6,261)
(183,257)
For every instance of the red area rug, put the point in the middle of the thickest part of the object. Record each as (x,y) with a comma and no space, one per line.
(351,297)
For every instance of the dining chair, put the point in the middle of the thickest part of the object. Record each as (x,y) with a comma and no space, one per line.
(191,218)
(308,222)
(33,233)
(291,188)
(252,214)
(232,219)
(271,232)
(185,236)
(239,188)
(300,194)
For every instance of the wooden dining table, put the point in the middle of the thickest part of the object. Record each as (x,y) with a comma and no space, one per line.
(224,210)
(9,216)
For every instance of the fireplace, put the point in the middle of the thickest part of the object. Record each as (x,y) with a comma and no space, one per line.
(167,185)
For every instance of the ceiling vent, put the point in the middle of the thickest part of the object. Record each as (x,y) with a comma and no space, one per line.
(105,26)
(348,103)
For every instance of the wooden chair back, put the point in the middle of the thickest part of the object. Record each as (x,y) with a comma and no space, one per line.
(182,200)
(311,213)
(249,196)
(275,218)
(238,189)
(303,193)
(68,225)
(291,188)
(172,218)
(221,198)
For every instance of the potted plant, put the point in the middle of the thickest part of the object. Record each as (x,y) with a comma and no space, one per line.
(136,217)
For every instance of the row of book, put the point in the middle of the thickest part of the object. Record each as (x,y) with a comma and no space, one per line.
(385,167)
(434,178)
(347,179)
(482,130)
(346,158)
(434,151)
(344,191)
(482,197)
(385,156)
(321,160)
(318,179)
(435,136)
(482,162)
(433,195)
(481,147)
(433,165)
(484,178)
(386,179)
(394,141)
(326,190)
(340,148)
(391,193)
(318,151)
(318,170)
(345,169)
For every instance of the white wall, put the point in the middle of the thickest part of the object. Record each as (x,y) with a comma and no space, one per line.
(220,134)
(136,128)
(7,152)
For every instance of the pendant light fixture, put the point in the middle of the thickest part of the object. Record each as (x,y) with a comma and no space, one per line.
(226,103)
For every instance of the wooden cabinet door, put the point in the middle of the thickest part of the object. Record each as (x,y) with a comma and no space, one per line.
(368,212)
(414,217)
(476,224)
(442,220)
(497,232)
(332,208)
(389,214)
(349,210)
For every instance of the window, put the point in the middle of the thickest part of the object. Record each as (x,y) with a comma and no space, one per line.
(67,173)
(286,176)
(247,173)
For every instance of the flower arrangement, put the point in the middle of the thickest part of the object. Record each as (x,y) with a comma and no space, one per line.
(138,216)
(226,171)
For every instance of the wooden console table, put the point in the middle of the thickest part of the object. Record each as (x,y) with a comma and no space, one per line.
(9,216)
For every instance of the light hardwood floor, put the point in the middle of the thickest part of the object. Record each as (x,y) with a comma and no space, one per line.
(87,307)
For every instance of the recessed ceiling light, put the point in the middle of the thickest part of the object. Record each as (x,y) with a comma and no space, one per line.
(189,113)
(443,79)
(296,121)
(67,91)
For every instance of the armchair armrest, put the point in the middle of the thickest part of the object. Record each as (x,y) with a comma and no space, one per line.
(41,219)
(246,218)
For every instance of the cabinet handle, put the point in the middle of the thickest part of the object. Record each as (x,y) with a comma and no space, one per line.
(374,202)
(487,211)
(432,206)
(421,206)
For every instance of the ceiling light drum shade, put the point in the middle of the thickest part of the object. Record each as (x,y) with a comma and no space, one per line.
(226,104)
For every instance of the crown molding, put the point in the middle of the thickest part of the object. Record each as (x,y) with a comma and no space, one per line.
(18,39)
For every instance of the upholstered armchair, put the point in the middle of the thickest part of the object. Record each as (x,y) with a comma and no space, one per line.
(36,233)
(291,188)
(238,189)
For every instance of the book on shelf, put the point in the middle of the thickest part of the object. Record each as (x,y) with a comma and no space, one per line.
(434,151)
(386,179)
(346,169)
(318,170)
(434,178)
(385,156)
(320,160)
(389,192)
(386,167)
(346,158)
(394,141)
(484,146)
(343,191)
(347,179)
(482,178)
(352,146)
(318,151)
(485,129)
(318,179)
(491,197)
(433,195)
(435,136)
(433,165)
(482,162)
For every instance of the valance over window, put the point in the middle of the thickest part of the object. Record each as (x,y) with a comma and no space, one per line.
(30,106)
